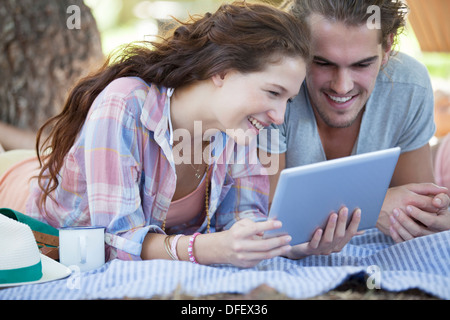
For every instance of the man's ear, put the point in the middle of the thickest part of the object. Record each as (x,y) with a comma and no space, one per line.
(388,49)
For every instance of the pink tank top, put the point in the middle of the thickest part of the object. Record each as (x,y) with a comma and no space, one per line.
(187,208)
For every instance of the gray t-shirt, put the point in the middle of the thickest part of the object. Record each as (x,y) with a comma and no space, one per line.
(400,112)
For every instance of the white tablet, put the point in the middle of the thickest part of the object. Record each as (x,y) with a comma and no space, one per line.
(306,196)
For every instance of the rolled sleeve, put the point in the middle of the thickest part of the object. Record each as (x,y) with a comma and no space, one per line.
(128,245)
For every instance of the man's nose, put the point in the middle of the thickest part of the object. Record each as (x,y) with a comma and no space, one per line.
(342,82)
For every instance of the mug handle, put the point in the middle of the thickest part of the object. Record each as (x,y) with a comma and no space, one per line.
(82,249)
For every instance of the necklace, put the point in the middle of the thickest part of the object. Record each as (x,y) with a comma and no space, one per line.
(197,170)
(197,173)
(206,204)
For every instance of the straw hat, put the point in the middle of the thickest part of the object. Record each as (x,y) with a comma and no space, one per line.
(20,260)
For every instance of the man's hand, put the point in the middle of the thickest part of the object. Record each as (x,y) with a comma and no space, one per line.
(335,236)
(417,223)
(414,210)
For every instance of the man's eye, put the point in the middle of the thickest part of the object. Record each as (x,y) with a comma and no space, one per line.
(321,63)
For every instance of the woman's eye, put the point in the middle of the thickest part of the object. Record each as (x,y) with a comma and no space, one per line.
(274,93)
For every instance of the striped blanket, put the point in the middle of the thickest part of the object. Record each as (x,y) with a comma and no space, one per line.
(422,263)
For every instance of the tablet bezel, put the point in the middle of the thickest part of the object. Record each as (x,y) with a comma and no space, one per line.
(359,181)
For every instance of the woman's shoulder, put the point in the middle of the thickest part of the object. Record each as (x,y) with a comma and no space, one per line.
(128,94)
(127,86)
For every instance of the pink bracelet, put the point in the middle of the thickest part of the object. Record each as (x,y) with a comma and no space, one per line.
(173,246)
(191,248)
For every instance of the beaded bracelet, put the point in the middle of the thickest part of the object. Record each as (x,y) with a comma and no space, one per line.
(173,246)
(191,248)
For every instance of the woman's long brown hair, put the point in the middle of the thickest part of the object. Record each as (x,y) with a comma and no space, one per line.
(237,36)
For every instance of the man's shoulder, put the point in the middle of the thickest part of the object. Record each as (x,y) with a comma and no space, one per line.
(404,69)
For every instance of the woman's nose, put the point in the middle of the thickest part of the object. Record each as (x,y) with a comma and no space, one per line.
(276,115)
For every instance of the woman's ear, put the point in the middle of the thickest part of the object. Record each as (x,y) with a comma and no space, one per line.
(219,78)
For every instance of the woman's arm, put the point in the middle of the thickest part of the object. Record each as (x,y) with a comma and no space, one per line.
(242,245)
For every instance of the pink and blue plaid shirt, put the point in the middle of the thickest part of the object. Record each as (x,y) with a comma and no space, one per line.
(120,173)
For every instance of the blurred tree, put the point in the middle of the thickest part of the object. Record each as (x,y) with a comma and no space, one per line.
(44,48)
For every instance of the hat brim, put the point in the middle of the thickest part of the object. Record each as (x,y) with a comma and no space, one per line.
(51,270)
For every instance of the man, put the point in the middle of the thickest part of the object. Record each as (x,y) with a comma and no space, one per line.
(359,97)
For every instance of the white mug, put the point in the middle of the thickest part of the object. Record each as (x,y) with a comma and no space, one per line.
(83,247)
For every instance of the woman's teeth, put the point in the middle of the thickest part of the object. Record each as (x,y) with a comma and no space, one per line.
(255,123)
(339,99)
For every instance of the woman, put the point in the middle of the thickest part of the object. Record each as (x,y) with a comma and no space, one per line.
(120,153)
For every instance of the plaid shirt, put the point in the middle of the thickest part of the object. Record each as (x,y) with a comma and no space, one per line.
(120,173)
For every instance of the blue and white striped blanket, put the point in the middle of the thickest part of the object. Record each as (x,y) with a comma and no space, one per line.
(422,263)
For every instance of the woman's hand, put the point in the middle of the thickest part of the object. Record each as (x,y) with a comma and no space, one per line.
(335,236)
(244,246)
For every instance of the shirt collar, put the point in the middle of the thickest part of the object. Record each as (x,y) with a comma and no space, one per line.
(156,118)
(156,110)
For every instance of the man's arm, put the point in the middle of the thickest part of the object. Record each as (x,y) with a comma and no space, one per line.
(414,167)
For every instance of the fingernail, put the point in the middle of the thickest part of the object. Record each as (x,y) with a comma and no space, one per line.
(438,201)
(288,239)
(358,213)
(396,212)
(277,224)
(345,212)
(409,209)
(393,221)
